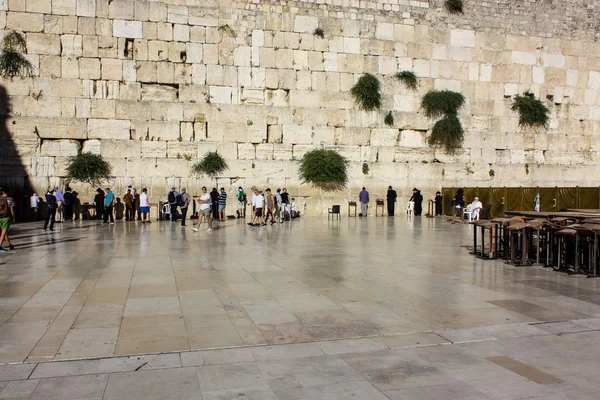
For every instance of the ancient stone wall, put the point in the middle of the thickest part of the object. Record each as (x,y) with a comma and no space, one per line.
(152,86)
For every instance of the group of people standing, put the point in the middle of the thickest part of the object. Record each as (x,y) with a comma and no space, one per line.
(416,200)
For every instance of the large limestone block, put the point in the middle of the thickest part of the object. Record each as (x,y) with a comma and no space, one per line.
(142,167)
(164,130)
(323,135)
(264,151)
(127,29)
(462,38)
(112,148)
(49,128)
(179,150)
(410,138)
(43,166)
(108,129)
(25,22)
(93,146)
(220,94)
(170,167)
(384,137)
(305,24)
(235,132)
(60,148)
(297,134)
(282,152)
(41,43)
(353,136)
(154,149)
(159,92)
(246,151)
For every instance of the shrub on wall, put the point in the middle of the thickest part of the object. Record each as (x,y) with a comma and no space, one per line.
(12,61)
(438,103)
(389,119)
(408,78)
(367,92)
(454,6)
(319,32)
(447,133)
(89,168)
(212,164)
(532,112)
(325,169)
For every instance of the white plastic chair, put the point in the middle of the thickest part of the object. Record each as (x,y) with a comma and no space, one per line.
(410,208)
(472,215)
(166,210)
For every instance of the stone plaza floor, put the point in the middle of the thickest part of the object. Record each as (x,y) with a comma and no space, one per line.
(370,308)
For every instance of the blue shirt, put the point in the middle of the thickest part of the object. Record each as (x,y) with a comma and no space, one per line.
(223,198)
(364,196)
(108,199)
(59,195)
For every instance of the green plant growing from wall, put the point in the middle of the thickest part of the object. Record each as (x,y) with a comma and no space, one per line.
(89,168)
(365,169)
(12,61)
(325,169)
(454,6)
(532,112)
(367,92)
(492,173)
(448,132)
(319,32)
(389,119)
(211,165)
(408,78)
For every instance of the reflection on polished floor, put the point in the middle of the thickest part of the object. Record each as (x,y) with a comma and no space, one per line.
(93,291)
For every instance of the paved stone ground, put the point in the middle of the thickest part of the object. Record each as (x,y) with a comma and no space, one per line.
(311,309)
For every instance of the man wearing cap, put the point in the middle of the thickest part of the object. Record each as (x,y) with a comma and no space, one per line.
(60,200)
(391,201)
(185,198)
(172,199)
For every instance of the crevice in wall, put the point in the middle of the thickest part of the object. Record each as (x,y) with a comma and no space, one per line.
(128,49)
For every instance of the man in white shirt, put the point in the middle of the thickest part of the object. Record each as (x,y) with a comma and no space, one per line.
(34,203)
(475,208)
(145,206)
(258,204)
(205,202)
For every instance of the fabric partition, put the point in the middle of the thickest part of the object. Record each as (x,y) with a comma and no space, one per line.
(566,197)
(547,197)
(496,196)
(589,197)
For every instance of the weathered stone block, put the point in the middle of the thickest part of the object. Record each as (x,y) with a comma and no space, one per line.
(180,150)
(60,148)
(121,148)
(410,138)
(384,137)
(108,129)
(462,38)
(220,95)
(127,29)
(49,128)
(297,134)
(232,132)
(159,92)
(246,151)
(41,43)
(264,151)
(154,149)
(164,130)
(92,146)
(305,24)
(25,22)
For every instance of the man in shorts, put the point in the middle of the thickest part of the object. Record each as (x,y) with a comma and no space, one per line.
(145,206)
(60,201)
(205,202)
(258,204)
(241,197)
(222,204)
(7,210)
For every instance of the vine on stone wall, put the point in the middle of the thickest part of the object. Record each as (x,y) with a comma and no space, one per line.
(408,78)
(367,92)
(12,61)
(448,132)
(532,112)
(89,168)
(389,119)
(454,6)
(325,169)
(212,164)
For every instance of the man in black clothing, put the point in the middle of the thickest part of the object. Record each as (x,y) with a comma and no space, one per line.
(68,205)
(172,198)
(214,203)
(51,214)
(391,201)
(438,203)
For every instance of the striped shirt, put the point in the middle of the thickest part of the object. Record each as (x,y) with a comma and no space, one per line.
(223,198)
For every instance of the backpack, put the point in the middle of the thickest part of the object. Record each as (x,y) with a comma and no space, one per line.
(179,200)
(3,207)
(171,197)
(241,196)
